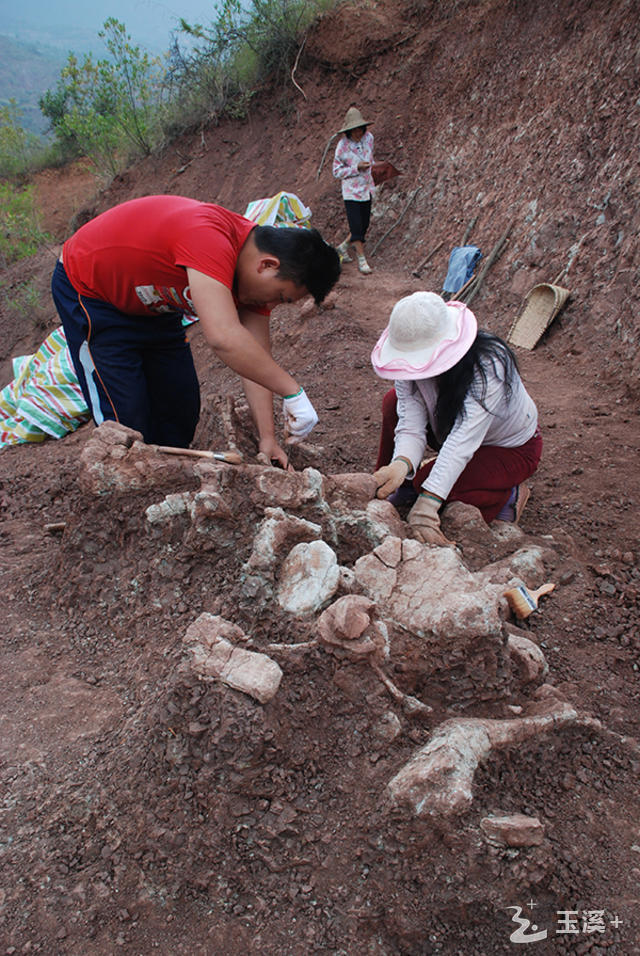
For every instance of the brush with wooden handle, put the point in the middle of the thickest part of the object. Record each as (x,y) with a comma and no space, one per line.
(230,457)
(524,602)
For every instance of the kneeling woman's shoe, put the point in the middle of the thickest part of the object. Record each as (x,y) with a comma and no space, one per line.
(363,265)
(514,506)
(522,496)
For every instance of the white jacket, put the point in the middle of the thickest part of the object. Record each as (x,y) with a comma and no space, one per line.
(508,423)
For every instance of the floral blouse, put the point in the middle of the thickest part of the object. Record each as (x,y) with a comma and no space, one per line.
(355,185)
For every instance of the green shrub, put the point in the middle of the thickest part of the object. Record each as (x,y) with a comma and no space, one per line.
(115,109)
(19,150)
(248,44)
(22,302)
(20,230)
(107,109)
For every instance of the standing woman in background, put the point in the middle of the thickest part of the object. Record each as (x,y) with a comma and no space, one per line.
(352,164)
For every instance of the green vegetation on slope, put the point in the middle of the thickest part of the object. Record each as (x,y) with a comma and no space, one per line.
(117,108)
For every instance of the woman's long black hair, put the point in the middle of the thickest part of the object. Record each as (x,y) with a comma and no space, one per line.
(455,383)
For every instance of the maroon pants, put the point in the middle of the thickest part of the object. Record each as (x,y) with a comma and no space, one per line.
(488,478)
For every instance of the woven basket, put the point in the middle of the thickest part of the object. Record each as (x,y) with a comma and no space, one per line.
(541,306)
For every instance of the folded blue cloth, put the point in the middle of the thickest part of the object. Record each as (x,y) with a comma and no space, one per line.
(462,262)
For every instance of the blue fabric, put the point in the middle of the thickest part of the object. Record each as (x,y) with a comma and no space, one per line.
(133,369)
(508,510)
(405,495)
(462,262)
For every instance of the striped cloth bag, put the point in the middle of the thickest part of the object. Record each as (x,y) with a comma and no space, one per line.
(283,209)
(44,398)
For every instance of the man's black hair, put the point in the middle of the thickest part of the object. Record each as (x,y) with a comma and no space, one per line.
(457,382)
(305,258)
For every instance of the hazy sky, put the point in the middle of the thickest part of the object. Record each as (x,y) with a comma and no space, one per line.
(74,24)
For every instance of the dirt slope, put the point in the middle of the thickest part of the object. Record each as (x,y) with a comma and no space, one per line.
(117,835)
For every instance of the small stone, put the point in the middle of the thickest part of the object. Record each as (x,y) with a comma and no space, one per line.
(515,829)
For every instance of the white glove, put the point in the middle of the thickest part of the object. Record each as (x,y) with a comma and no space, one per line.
(299,417)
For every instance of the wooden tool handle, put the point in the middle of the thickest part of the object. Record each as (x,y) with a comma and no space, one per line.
(192,452)
(544,589)
(230,457)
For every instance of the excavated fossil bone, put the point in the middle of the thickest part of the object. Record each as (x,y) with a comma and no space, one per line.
(439,777)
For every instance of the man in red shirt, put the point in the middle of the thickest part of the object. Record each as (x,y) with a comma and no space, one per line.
(125,280)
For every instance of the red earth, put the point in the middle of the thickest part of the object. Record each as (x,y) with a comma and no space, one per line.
(516,120)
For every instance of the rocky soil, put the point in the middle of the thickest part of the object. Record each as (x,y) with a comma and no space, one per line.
(196,761)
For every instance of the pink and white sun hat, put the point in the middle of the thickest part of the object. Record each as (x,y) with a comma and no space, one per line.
(425,337)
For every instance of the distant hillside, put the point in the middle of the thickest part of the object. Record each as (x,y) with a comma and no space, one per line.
(27,70)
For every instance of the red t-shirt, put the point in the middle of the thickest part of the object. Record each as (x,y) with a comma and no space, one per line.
(135,256)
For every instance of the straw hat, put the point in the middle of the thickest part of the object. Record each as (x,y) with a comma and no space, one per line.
(353,120)
(425,337)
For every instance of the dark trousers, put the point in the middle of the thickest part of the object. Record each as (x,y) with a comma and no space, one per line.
(358,217)
(488,478)
(132,369)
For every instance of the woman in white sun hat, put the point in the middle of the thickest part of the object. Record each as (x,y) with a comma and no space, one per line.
(457,390)
(352,164)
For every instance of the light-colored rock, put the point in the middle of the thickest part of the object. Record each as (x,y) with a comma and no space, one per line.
(309,578)
(383,515)
(527,657)
(433,593)
(347,619)
(389,552)
(216,476)
(447,622)
(113,434)
(371,527)
(329,301)
(352,490)
(253,674)
(375,577)
(213,656)
(203,508)
(102,462)
(460,520)
(307,308)
(175,504)
(508,532)
(209,507)
(116,460)
(277,533)
(208,629)
(388,727)
(288,489)
(514,829)
(526,564)
(412,549)
(439,778)
(350,624)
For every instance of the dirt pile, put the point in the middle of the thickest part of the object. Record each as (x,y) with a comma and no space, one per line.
(146,809)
